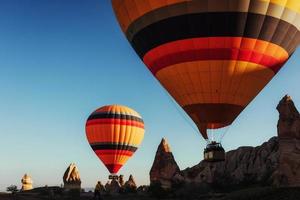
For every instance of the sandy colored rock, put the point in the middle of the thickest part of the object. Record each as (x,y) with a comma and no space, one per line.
(71,178)
(26,183)
(164,166)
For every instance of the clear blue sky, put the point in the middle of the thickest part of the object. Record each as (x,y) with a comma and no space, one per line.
(61,59)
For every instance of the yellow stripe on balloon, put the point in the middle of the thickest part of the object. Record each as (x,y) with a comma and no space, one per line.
(117,109)
(130,10)
(291,4)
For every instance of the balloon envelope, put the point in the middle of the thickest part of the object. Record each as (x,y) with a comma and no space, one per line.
(212,56)
(114,133)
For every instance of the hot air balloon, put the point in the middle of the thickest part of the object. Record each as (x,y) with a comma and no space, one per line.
(212,56)
(114,133)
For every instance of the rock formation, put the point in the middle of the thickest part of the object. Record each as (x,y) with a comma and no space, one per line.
(246,165)
(71,178)
(164,166)
(289,143)
(26,183)
(113,187)
(276,162)
(107,186)
(121,180)
(130,185)
(142,189)
(289,119)
(102,188)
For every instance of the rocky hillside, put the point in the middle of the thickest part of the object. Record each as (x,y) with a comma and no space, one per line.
(275,162)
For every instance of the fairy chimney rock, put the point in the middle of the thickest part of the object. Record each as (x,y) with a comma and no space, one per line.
(164,166)
(164,146)
(71,178)
(289,142)
(121,180)
(289,119)
(26,183)
(113,187)
(130,185)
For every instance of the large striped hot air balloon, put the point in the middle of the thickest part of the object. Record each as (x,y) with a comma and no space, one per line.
(114,133)
(212,56)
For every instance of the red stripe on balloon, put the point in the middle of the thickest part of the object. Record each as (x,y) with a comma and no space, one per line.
(114,152)
(208,49)
(114,121)
(113,168)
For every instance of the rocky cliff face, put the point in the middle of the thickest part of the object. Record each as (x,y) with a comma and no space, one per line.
(242,166)
(164,166)
(276,162)
(289,119)
(113,187)
(289,143)
(71,178)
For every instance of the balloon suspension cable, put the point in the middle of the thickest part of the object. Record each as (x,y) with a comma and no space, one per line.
(181,112)
(212,133)
(207,141)
(224,133)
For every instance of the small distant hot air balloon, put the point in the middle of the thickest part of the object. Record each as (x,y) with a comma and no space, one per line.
(114,133)
(212,56)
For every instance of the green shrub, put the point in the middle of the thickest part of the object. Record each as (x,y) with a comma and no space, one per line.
(12,188)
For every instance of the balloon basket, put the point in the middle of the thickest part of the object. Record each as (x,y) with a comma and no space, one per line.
(113,177)
(214,152)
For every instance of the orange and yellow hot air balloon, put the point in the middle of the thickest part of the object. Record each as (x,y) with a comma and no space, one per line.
(114,133)
(212,56)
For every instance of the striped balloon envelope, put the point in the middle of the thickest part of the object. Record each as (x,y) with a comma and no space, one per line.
(114,133)
(212,56)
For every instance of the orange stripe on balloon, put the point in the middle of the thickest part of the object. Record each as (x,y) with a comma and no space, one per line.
(123,9)
(216,48)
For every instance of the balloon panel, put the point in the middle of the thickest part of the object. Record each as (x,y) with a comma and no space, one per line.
(114,133)
(212,56)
